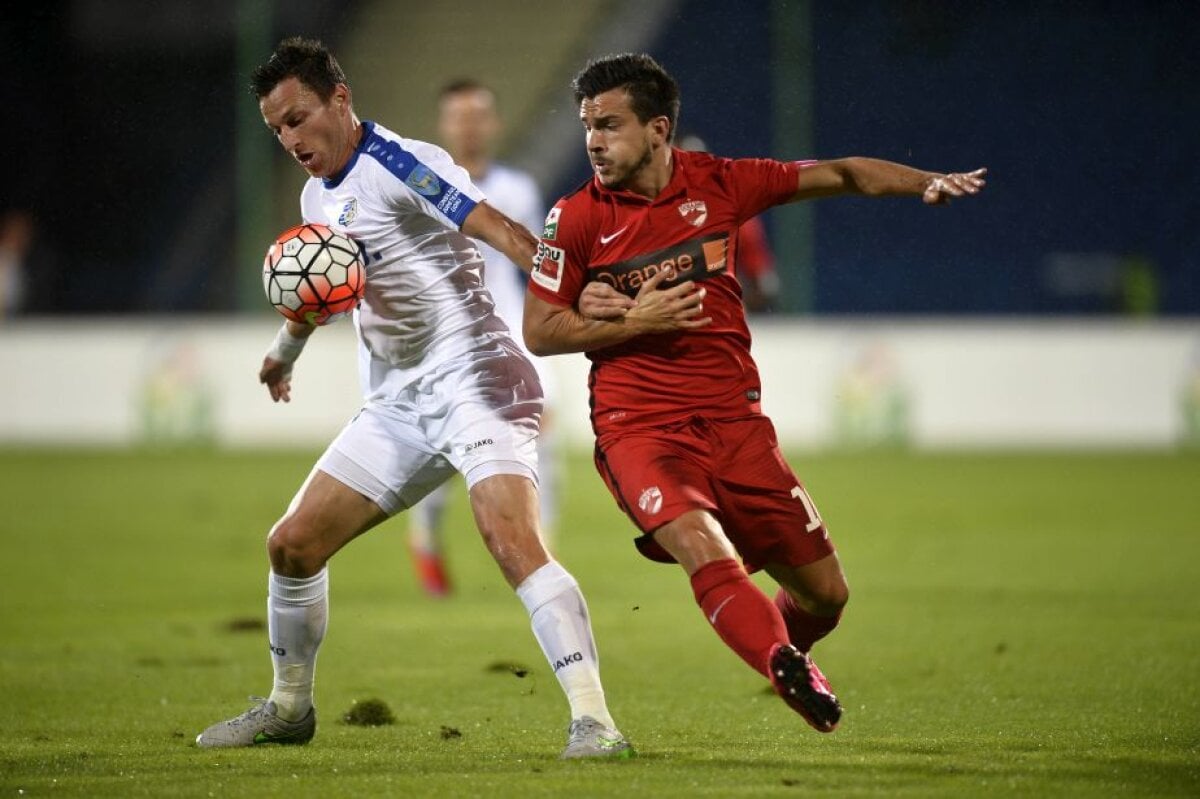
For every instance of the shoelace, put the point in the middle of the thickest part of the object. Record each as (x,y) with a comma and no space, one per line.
(259,707)
(581,728)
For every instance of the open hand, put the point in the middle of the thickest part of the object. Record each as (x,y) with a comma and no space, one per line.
(277,376)
(943,188)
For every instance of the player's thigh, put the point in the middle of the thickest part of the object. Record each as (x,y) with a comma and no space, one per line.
(765,509)
(656,477)
(384,455)
(506,513)
(487,416)
(487,425)
(694,539)
(325,515)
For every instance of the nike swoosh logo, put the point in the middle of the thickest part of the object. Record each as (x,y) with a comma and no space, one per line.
(611,236)
(717,610)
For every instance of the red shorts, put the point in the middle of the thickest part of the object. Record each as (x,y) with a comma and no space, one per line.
(730,467)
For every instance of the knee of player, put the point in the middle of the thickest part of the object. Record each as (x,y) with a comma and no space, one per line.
(509,540)
(503,527)
(695,539)
(293,549)
(829,597)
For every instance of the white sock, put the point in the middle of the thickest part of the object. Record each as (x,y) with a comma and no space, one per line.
(297,614)
(563,628)
(425,524)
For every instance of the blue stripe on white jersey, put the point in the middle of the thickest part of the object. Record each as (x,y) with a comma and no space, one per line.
(417,176)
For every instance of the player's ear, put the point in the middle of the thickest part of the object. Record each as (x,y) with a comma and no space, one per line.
(661,128)
(341,97)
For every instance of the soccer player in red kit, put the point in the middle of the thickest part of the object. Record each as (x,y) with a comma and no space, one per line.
(637,269)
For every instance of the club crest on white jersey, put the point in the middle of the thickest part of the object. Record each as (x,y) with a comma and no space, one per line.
(422,180)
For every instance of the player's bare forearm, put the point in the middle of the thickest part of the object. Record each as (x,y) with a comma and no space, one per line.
(554,329)
(873,177)
(506,235)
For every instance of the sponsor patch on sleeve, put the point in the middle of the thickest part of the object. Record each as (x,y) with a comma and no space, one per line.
(455,205)
(550,230)
(422,179)
(548,267)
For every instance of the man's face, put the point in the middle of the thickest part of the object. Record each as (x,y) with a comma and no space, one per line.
(619,145)
(319,135)
(468,124)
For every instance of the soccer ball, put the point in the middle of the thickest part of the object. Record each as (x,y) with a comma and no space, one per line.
(313,274)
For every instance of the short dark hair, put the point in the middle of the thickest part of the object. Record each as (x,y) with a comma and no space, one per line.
(463,85)
(652,90)
(307,60)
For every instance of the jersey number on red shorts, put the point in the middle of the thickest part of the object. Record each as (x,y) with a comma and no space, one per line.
(814,517)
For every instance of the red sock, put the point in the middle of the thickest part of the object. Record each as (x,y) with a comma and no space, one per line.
(740,613)
(804,629)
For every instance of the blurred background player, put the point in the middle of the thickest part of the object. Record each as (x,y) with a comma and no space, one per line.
(469,127)
(755,259)
(16,239)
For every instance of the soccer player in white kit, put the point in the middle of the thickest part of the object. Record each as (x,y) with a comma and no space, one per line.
(446,389)
(468,127)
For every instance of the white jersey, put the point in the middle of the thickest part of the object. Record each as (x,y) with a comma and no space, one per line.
(405,201)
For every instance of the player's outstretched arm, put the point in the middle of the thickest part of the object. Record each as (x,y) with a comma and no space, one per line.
(875,178)
(506,235)
(554,329)
(276,371)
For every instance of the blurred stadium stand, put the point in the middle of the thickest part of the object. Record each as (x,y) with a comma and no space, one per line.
(126,125)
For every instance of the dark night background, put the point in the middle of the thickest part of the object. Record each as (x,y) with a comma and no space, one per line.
(1086,113)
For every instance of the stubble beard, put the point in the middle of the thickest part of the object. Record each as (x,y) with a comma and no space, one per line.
(631,173)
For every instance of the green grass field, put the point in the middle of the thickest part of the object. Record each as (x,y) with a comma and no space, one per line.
(1021,625)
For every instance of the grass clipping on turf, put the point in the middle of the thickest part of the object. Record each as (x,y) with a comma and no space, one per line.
(369,713)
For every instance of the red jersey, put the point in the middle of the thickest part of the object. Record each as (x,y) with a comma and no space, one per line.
(690,230)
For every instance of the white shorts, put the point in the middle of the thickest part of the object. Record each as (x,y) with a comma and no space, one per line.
(477,414)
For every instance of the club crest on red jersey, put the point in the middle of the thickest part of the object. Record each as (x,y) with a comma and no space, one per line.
(695,212)
(651,500)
